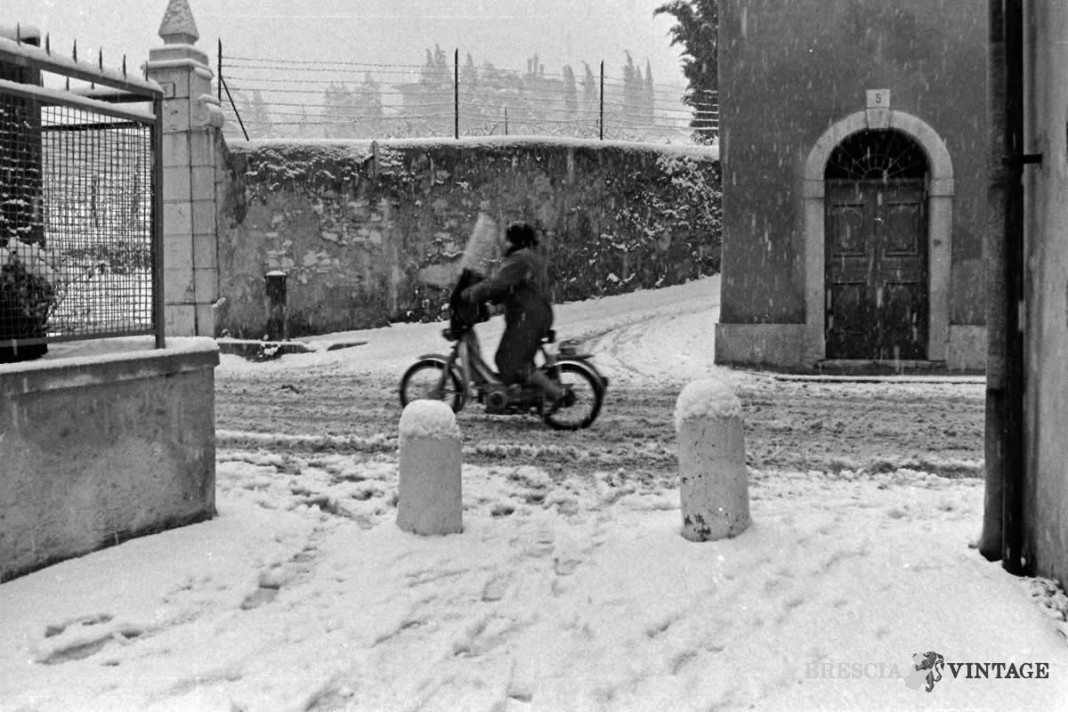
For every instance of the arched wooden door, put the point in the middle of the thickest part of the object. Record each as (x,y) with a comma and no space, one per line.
(876,249)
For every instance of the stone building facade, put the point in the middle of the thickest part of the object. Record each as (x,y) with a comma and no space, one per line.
(853,148)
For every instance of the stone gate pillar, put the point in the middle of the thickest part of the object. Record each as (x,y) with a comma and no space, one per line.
(191,119)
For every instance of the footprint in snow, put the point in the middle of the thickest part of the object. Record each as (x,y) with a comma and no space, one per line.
(271,580)
(566,566)
(83,637)
(496,587)
(541,543)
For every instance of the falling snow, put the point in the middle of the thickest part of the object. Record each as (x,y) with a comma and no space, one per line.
(569,590)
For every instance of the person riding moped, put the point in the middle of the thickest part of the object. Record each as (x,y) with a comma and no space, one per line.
(519,285)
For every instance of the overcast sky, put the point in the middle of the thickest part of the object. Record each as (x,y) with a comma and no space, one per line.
(504,32)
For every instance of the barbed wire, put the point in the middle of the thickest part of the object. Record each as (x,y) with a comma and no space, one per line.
(312,63)
(273,98)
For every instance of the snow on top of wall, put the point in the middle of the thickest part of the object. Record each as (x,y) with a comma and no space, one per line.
(363,147)
(706,398)
(84,355)
(428,419)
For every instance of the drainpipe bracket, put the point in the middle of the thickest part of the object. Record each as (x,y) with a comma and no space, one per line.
(1021,159)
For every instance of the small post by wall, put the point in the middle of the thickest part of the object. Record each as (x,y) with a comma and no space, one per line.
(276,305)
(429,500)
(191,118)
(713,483)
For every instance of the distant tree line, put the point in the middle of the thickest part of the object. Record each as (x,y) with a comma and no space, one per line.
(489,100)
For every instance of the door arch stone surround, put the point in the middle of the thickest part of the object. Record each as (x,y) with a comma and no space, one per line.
(939,227)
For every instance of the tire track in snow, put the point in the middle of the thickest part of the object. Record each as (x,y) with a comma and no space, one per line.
(346,402)
(789,425)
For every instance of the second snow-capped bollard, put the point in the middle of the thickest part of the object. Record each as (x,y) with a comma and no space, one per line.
(429,500)
(713,483)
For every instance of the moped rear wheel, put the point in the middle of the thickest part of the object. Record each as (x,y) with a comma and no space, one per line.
(423,381)
(589,394)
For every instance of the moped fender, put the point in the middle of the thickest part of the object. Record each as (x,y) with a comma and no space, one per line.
(434,357)
(582,361)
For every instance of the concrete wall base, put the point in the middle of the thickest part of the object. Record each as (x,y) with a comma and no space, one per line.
(762,345)
(104,448)
(784,346)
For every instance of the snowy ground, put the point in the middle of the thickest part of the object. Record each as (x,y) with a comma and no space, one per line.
(562,593)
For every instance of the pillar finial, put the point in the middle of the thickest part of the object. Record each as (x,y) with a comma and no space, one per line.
(178,26)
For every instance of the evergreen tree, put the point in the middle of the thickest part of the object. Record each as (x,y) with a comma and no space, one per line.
(339,112)
(629,114)
(570,94)
(471,115)
(367,105)
(649,103)
(257,118)
(696,31)
(591,99)
(304,129)
(435,100)
(500,99)
(631,84)
(533,98)
(436,73)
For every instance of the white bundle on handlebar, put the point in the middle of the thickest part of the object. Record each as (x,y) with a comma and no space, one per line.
(483,247)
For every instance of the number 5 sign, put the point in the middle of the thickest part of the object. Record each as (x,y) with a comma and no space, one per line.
(878,99)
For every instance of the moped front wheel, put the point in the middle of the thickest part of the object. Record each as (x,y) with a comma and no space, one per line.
(589,395)
(423,380)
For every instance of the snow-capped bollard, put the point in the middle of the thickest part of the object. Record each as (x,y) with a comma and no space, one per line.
(712,480)
(429,499)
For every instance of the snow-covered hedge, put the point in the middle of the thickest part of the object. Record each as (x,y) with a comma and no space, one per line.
(364,230)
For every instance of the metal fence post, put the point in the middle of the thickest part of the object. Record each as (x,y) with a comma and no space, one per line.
(159,308)
(602,101)
(456,93)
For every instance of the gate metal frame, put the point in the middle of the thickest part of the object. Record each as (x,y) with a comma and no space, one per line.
(119,89)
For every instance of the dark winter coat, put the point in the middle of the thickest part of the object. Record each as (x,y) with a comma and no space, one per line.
(528,315)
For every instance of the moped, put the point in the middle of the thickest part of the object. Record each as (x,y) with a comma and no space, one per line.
(462,376)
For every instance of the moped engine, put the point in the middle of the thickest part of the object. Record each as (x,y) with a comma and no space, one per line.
(496,399)
(509,400)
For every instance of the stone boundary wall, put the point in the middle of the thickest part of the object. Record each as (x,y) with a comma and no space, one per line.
(369,232)
(103,448)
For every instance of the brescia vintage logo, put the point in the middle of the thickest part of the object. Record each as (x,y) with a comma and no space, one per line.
(929,668)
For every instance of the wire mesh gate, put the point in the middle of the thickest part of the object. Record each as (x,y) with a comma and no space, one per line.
(80,203)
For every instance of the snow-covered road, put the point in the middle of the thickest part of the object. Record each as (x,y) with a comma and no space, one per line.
(650,344)
(571,587)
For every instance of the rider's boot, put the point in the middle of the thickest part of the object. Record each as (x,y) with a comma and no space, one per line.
(559,396)
(549,387)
